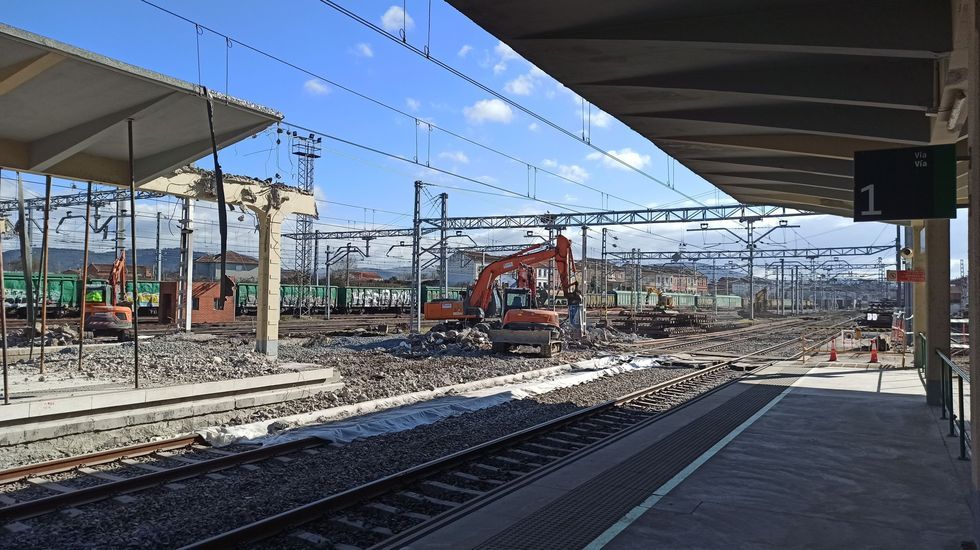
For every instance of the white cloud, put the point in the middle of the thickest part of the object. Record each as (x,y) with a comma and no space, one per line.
(573,172)
(315,86)
(466,49)
(625,154)
(492,110)
(570,198)
(522,85)
(504,55)
(412,103)
(533,126)
(363,49)
(600,119)
(455,156)
(549,163)
(393,18)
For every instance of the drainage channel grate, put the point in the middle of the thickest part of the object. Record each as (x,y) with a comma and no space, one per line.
(578,517)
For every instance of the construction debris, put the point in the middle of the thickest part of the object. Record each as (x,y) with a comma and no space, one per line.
(56,335)
(466,340)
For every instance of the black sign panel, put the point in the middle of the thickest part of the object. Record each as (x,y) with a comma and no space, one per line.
(913,183)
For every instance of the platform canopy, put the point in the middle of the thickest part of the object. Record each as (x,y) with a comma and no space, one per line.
(64,112)
(766,99)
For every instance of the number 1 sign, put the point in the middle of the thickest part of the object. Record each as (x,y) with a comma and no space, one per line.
(905,184)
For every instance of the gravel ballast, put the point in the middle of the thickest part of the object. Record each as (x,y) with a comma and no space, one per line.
(203,507)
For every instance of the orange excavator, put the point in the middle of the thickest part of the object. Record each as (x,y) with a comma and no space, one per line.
(103,315)
(519,323)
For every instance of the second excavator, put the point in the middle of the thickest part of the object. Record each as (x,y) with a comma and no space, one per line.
(520,324)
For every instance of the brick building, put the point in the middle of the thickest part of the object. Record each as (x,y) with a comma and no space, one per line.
(204,306)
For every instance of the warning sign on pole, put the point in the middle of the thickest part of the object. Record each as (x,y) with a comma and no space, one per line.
(906,276)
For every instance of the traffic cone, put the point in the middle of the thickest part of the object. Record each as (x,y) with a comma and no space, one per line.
(874,350)
(833,350)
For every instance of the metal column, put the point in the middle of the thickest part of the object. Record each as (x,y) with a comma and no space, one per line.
(185,290)
(416,258)
(751,245)
(132,228)
(159,272)
(972,14)
(583,285)
(326,307)
(443,249)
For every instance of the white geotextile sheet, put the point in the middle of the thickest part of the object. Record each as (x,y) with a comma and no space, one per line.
(419,413)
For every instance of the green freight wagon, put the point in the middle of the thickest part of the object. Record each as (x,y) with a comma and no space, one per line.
(63,292)
(148,295)
(312,297)
(681,300)
(728,302)
(431,293)
(373,299)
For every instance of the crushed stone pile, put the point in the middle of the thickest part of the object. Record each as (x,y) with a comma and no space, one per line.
(449,341)
(55,335)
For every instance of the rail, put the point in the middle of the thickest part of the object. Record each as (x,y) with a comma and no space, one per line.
(269,526)
(957,423)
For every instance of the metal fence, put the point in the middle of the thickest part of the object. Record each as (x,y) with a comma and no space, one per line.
(953,406)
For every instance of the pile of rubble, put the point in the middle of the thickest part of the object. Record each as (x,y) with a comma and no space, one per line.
(463,340)
(55,335)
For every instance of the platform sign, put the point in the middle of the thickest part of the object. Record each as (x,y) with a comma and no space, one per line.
(906,276)
(913,183)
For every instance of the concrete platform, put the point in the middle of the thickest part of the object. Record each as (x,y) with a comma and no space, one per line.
(85,412)
(846,457)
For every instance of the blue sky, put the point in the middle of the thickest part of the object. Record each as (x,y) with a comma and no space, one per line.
(313,36)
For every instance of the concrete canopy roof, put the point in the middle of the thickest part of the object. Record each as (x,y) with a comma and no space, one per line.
(766,99)
(64,113)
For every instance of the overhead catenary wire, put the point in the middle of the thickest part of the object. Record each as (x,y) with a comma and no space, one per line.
(498,95)
(397,110)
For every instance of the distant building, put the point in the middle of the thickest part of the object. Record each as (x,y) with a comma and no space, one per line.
(365,277)
(205,305)
(243,268)
(102,271)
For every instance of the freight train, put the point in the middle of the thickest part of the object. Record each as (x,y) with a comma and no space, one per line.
(64,297)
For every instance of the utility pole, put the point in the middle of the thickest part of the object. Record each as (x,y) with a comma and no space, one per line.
(782,286)
(159,272)
(308,150)
(443,245)
(316,257)
(347,267)
(326,308)
(750,241)
(186,278)
(583,270)
(416,258)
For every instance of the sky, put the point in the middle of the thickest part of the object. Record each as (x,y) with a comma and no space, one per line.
(349,82)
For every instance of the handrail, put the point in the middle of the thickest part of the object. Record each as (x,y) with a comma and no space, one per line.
(965,375)
(956,422)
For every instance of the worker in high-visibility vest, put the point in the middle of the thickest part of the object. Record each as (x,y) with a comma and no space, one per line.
(94,296)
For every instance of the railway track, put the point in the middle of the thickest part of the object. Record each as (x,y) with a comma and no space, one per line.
(365,515)
(382,511)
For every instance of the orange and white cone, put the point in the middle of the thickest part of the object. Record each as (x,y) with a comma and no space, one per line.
(833,350)
(874,351)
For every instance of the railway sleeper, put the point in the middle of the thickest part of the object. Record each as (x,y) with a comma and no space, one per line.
(476,478)
(564,443)
(447,504)
(465,481)
(547,450)
(523,466)
(360,524)
(414,517)
(505,473)
(453,488)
